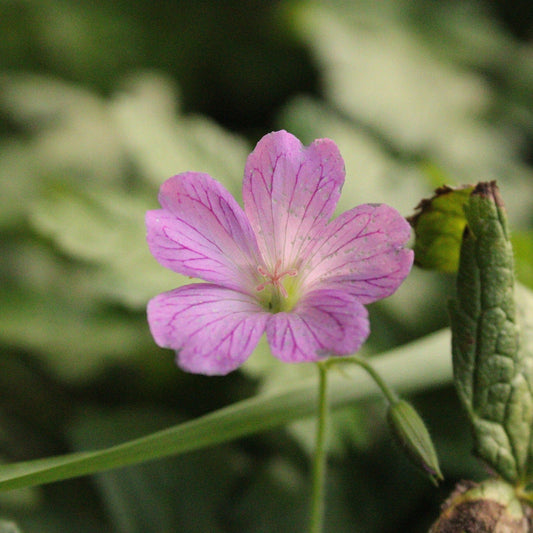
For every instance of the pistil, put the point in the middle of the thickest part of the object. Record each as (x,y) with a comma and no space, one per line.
(276,278)
(277,298)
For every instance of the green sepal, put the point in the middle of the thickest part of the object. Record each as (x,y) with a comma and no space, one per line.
(413,436)
(489,369)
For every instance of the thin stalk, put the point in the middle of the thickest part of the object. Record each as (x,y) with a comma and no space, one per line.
(319,459)
(389,393)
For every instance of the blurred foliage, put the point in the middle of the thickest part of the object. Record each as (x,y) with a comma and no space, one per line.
(100,102)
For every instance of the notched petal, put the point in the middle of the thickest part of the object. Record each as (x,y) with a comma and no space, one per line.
(290,192)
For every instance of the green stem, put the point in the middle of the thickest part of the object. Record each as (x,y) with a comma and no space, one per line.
(319,460)
(389,393)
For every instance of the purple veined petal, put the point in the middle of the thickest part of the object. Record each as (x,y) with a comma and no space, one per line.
(361,251)
(213,329)
(324,323)
(201,231)
(289,193)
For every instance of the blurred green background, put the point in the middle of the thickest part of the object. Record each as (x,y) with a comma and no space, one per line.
(100,102)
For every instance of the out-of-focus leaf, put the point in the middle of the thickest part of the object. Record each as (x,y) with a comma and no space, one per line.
(464,32)
(373,174)
(49,307)
(381,74)
(162,142)
(471,36)
(523,254)
(404,368)
(9,527)
(175,494)
(492,376)
(17,180)
(74,343)
(439,225)
(105,227)
(73,135)
(275,500)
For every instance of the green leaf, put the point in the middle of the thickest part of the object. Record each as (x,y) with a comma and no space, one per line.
(142,498)
(71,131)
(16,160)
(105,227)
(490,372)
(101,221)
(523,252)
(382,74)
(524,305)
(404,368)
(49,306)
(162,142)
(439,225)
(274,499)
(373,174)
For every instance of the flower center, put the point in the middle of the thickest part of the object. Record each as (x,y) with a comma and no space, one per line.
(275,295)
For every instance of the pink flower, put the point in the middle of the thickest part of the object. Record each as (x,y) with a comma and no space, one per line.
(279,266)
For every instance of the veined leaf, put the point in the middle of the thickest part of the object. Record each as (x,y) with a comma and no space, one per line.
(490,371)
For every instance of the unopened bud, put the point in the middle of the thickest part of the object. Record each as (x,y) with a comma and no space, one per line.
(489,506)
(411,433)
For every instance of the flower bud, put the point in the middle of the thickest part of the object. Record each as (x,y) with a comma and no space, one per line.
(489,506)
(411,433)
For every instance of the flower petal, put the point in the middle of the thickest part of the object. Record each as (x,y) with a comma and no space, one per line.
(324,323)
(213,329)
(361,251)
(203,232)
(290,193)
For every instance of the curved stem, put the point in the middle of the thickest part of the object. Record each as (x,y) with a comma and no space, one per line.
(319,459)
(389,394)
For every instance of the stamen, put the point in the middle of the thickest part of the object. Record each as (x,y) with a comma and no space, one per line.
(275,279)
